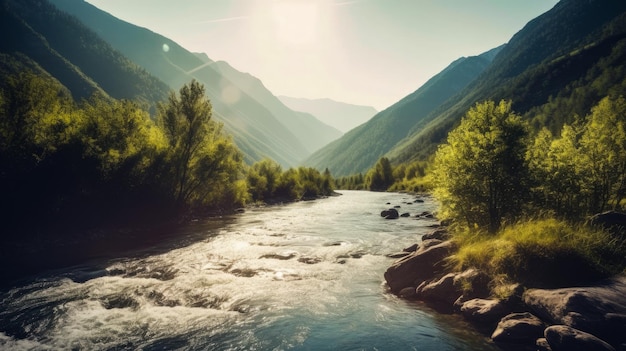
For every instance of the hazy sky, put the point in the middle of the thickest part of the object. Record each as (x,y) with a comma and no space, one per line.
(367,52)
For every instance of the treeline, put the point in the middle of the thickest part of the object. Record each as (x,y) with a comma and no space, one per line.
(409,177)
(67,165)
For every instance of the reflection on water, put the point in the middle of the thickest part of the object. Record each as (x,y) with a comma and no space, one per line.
(305,276)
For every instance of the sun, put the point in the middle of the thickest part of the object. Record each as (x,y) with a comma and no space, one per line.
(296,23)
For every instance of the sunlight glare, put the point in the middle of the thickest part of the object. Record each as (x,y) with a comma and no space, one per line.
(296,23)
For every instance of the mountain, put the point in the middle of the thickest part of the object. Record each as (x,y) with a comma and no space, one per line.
(340,115)
(54,43)
(359,149)
(255,129)
(312,133)
(558,66)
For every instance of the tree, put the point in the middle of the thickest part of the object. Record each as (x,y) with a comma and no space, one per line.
(380,177)
(185,122)
(603,147)
(480,173)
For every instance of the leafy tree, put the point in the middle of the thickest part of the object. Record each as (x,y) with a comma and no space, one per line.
(185,122)
(381,176)
(603,146)
(480,173)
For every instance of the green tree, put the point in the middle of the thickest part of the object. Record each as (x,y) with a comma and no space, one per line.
(185,122)
(603,147)
(480,174)
(380,177)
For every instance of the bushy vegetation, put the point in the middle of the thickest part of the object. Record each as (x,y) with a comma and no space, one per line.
(105,161)
(268,183)
(545,253)
(491,177)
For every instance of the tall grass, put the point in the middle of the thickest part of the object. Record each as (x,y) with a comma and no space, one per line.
(543,253)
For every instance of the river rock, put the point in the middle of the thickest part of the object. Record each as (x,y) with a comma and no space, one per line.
(407,293)
(391,213)
(451,286)
(398,254)
(542,345)
(439,234)
(405,214)
(485,310)
(566,338)
(411,248)
(423,264)
(599,310)
(518,328)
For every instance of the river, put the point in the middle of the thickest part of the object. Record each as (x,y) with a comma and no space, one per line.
(303,276)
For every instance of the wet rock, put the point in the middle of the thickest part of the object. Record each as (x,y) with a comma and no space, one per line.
(542,345)
(407,293)
(397,206)
(280,256)
(391,213)
(418,201)
(429,243)
(310,260)
(411,248)
(518,328)
(599,310)
(406,214)
(442,290)
(485,310)
(439,234)
(398,254)
(423,264)
(565,338)
(451,286)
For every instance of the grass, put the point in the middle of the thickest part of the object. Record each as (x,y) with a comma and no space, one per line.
(542,253)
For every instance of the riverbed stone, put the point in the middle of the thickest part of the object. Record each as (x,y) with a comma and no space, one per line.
(518,328)
(599,310)
(439,234)
(485,310)
(411,248)
(566,338)
(451,286)
(391,213)
(421,265)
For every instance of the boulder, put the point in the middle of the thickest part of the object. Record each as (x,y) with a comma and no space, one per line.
(442,290)
(599,310)
(391,213)
(485,310)
(451,286)
(439,234)
(428,243)
(398,254)
(407,293)
(565,338)
(518,328)
(423,264)
(542,345)
(411,248)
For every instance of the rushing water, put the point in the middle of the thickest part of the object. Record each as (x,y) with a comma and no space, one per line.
(304,276)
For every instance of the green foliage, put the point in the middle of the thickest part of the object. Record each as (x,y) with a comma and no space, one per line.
(480,174)
(106,161)
(381,176)
(267,182)
(583,171)
(543,253)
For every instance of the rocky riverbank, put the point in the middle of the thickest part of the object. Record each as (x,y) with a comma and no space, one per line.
(573,318)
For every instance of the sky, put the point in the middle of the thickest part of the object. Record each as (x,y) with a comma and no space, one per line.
(364,52)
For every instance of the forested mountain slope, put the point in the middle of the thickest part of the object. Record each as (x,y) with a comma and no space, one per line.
(359,149)
(51,41)
(558,66)
(255,128)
